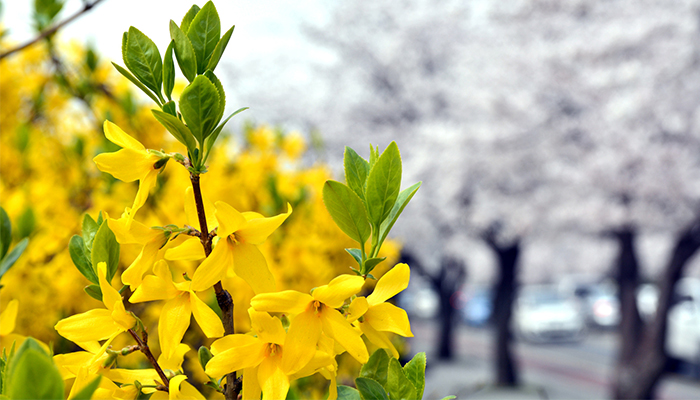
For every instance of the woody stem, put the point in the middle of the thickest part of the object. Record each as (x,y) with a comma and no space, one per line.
(222,296)
(143,346)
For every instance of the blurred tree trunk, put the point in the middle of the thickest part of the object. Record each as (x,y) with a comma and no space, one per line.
(642,357)
(506,367)
(446,283)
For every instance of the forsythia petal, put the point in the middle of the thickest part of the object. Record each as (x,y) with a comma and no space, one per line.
(300,344)
(173,322)
(213,267)
(190,250)
(335,326)
(388,317)
(116,135)
(8,318)
(338,290)
(236,359)
(92,325)
(230,220)
(394,281)
(206,317)
(250,264)
(273,381)
(288,301)
(256,231)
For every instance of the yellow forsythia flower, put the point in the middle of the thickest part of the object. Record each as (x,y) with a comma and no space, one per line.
(317,313)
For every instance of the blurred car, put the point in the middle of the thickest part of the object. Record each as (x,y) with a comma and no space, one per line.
(542,314)
(476,306)
(600,304)
(647,300)
(683,332)
(419,300)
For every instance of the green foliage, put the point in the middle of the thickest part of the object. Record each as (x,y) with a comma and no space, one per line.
(184,52)
(143,59)
(382,377)
(25,224)
(97,244)
(199,105)
(45,11)
(219,49)
(204,355)
(347,211)
(31,374)
(348,393)
(8,259)
(179,130)
(169,71)
(370,203)
(204,33)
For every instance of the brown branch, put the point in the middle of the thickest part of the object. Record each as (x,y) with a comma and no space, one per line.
(223,297)
(48,32)
(143,346)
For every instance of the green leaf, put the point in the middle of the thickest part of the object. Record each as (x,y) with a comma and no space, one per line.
(356,171)
(383,184)
(222,95)
(356,254)
(184,52)
(45,11)
(347,210)
(25,223)
(397,384)
(10,259)
(170,108)
(143,60)
(5,233)
(179,130)
(204,356)
(401,201)
(348,393)
(211,139)
(219,49)
(136,82)
(89,230)
(450,397)
(169,71)
(88,390)
(370,389)
(373,155)
(371,263)
(32,374)
(187,19)
(204,33)
(376,367)
(199,106)
(105,249)
(94,291)
(415,372)
(81,258)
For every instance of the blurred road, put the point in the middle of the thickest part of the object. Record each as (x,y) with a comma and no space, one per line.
(555,371)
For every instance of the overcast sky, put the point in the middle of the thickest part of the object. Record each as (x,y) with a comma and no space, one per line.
(262,26)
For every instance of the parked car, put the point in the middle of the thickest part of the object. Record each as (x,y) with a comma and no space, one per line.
(600,304)
(542,314)
(683,334)
(476,306)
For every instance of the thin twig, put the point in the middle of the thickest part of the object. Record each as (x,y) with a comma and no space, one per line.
(48,32)
(143,346)
(223,297)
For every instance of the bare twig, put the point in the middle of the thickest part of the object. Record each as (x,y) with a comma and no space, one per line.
(223,297)
(143,346)
(48,32)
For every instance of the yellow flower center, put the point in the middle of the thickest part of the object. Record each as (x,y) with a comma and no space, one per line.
(273,349)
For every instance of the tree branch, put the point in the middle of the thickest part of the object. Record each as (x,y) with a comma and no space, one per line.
(143,346)
(48,32)
(223,297)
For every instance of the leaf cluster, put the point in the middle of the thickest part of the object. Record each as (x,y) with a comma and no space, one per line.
(383,377)
(97,244)
(197,45)
(9,258)
(370,202)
